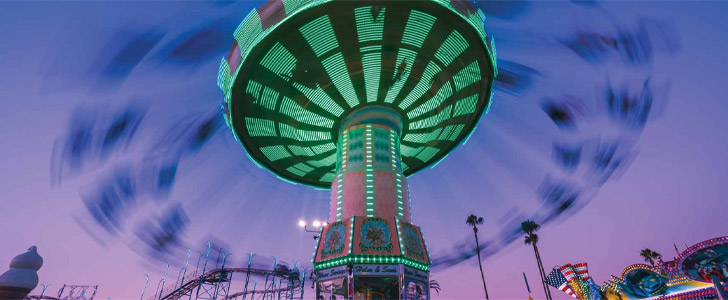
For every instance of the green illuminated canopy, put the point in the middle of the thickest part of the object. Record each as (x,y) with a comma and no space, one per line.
(299,67)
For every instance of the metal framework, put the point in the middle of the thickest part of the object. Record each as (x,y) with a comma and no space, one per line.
(279,282)
(78,292)
(216,284)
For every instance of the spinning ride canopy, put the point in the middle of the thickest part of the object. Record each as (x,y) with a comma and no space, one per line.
(705,260)
(300,67)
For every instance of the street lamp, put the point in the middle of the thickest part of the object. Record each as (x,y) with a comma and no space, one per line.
(317,225)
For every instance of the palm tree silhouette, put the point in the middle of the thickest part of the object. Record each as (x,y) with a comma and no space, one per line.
(434,285)
(530,227)
(474,221)
(650,256)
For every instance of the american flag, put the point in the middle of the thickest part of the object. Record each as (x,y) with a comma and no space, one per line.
(557,280)
(582,271)
(568,272)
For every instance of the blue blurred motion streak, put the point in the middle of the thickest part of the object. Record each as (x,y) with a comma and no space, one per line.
(112,200)
(162,237)
(121,130)
(514,78)
(560,114)
(632,109)
(70,151)
(635,47)
(506,10)
(157,174)
(198,46)
(566,156)
(117,66)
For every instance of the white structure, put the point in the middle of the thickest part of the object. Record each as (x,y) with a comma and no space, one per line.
(22,276)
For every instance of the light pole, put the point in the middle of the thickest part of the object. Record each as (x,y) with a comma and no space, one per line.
(317,225)
(145,287)
(44,289)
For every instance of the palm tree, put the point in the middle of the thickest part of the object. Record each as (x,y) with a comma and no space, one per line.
(474,221)
(530,227)
(650,256)
(434,285)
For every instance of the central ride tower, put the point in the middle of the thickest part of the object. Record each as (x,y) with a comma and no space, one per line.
(356,96)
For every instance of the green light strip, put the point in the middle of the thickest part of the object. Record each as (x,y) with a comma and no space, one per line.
(351,234)
(466,105)
(432,121)
(467,76)
(330,160)
(291,132)
(223,78)
(409,200)
(368,152)
(427,153)
(451,48)
(263,95)
(372,65)
(422,86)
(320,35)
(446,132)
(418,27)
(253,89)
(291,5)
(260,127)
(336,69)
(294,110)
(398,174)
(368,26)
(490,102)
(372,259)
(456,132)
(296,171)
(406,58)
(320,98)
(275,152)
(422,138)
(300,151)
(315,163)
(303,167)
(269,98)
(434,102)
(248,29)
(323,148)
(340,184)
(493,58)
(279,61)
(399,236)
(408,151)
(328,177)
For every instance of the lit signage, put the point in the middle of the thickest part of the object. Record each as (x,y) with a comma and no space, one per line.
(416,274)
(332,273)
(376,270)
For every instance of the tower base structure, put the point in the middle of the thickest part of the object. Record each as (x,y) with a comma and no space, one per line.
(371,258)
(370,249)
(372,281)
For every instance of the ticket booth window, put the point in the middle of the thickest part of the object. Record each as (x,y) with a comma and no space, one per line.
(416,290)
(333,289)
(376,288)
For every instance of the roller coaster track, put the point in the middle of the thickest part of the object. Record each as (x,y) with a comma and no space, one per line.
(187,285)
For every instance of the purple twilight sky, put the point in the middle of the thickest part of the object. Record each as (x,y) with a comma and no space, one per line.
(57,59)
